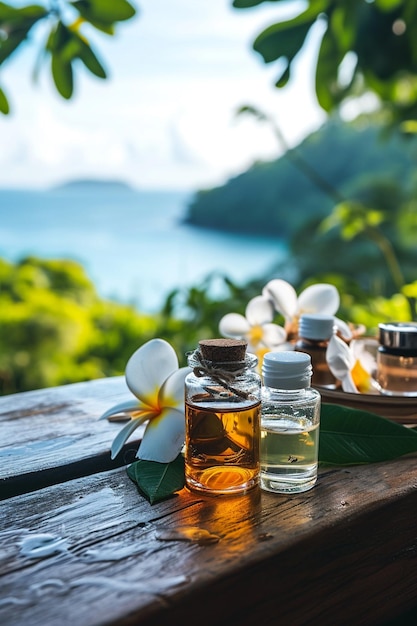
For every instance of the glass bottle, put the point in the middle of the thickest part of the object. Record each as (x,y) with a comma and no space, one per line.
(315,331)
(397,359)
(290,422)
(222,418)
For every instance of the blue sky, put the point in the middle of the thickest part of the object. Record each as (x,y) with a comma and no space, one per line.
(166,117)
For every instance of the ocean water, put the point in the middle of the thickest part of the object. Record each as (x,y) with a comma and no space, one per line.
(133,245)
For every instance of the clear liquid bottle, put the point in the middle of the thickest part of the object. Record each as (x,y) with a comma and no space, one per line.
(315,331)
(290,422)
(222,418)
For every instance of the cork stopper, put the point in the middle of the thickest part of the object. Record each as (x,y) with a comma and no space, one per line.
(223,350)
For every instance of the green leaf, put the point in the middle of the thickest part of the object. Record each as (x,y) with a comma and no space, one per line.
(282,40)
(330,56)
(351,436)
(104,11)
(32,11)
(62,75)
(4,104)
(157,481)
(283,79)
(9,45)
(90,60)
(58,38)
(388,5)
(246,4)
(16,24)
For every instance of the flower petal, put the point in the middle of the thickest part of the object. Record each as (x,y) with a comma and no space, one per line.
(348,384)
(163,438)
(234,325)
(273,335)
(259,311)
(340,360)
(365,350)
(125,433)
(148,368)
(319,298)
(343,328)
(123,407)
(283,297)
(171,394)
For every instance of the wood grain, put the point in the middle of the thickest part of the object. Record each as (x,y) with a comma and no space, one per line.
(52,435)
(345,552)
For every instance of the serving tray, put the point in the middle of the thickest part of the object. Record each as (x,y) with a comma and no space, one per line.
(396,408)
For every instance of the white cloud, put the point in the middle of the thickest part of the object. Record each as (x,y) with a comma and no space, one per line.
(166,118)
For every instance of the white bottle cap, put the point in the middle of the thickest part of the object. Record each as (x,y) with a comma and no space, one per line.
(287,370)
(316,326)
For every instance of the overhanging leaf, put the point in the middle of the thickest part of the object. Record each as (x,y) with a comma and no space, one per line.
(63,76)
(329,58)
(157,481)
(246,4)
(105,11)
(4,104)
(90,60)
(351,436)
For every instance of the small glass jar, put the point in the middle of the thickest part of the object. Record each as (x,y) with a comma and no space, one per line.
(290,422)
(397,359)
(222,418)
(315,331)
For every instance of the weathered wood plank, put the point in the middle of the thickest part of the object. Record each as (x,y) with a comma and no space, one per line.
(51,435)
(343,553)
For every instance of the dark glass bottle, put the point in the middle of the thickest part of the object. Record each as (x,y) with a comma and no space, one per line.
(315,331)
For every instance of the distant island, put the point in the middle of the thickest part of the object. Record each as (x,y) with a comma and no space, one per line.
(92,184)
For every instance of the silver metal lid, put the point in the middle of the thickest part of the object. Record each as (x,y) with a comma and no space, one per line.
(398,335)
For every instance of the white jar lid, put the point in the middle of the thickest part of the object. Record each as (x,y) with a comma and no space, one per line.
(287,370)
(316,326)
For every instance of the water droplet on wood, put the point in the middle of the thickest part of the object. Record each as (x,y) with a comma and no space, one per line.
(187,533)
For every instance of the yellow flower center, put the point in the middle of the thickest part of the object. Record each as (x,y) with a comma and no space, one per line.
(255,335)
(361,377)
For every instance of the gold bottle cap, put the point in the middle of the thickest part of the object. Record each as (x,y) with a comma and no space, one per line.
(223,350)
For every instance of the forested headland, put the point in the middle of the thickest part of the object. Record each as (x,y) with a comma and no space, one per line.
(344,200)
(340,160)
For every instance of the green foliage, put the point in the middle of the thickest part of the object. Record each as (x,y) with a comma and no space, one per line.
(349,210)
(55,330)
(192,313)
(379,39)
(157,481)
(66,43)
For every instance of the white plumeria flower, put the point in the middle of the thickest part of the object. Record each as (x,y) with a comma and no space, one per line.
(320,298)
(153,376)
(352,364)
(255,326)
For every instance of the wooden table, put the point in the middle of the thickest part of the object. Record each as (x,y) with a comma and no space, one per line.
(80,546)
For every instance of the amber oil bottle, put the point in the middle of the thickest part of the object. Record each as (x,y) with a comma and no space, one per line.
(222,415)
